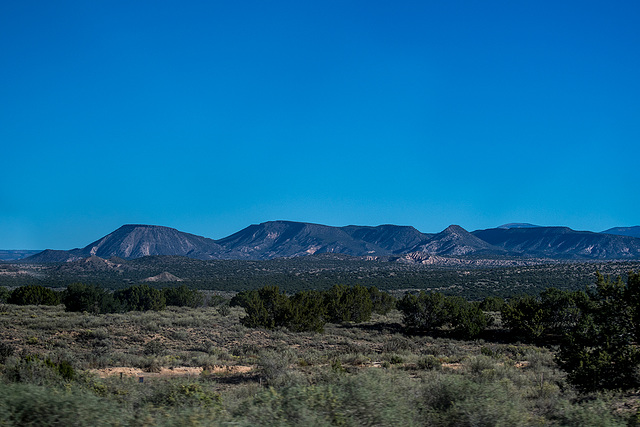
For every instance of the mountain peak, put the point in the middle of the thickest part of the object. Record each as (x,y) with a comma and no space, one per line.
(453,228)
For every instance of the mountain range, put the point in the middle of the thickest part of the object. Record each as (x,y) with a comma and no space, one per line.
(275,239)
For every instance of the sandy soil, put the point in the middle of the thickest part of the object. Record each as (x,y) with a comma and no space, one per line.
(179,371)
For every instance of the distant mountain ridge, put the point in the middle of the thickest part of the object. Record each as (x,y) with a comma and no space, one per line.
(275,239)
(561,243)
(624,231)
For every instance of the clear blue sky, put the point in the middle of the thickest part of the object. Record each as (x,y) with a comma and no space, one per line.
(210,116)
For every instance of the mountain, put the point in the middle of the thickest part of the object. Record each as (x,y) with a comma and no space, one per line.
(393,238)
(276,239)
(135,241)
(624,231)
(561,243)
(15,254)
(52,255)
(455,241)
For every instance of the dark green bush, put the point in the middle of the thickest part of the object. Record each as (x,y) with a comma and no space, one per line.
(348,304)
(467,319)
(562,309)
(266,307)
(79,297)
(182,296)
(600,351)
(6,350)
(525,317)
(141,298)
(547,316)
(35,369)
(4,294)
(429,311)
(382,302)
(34,295)
(429,362)
(492,304)
(424,311)
(308,312)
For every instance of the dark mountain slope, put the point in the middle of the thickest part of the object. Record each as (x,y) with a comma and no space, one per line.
(51,255)
(393,238)
(624,231)
(135,241)
(562,242)
(455,241)
(276,239)
(287,239)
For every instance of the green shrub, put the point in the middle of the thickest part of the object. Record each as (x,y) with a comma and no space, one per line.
(525,317)
(178,393)
(32,405)
(154,348)
(35,369)
(79,297)
(34,295)
(382,302)
(182,296)
(424,311)
(600,350)
(454,400)
(4,294)
(266,307)
(467,319)
(141,298)
(370,398)
(6,351)
(492,304)
(429,362)
(348,304)
(547,316)
(308,312)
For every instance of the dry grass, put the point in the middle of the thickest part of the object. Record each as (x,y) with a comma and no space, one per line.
(185,344)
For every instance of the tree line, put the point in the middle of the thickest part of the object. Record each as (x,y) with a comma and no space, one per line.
(268,307)
(80,297)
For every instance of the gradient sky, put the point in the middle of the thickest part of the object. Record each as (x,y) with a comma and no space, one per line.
(210,116)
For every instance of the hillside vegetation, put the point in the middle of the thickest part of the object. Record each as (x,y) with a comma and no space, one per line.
(473,281)
(211,366)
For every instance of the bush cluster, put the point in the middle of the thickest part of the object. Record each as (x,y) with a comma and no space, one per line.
(600,350)
(94,299)
(428,311)
(598,330)
(34,295)
(79,297)
(544,317)
(269,308)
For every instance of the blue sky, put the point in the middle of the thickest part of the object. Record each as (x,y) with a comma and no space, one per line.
(210,116)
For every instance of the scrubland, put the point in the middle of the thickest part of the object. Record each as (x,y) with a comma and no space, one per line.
(201,366)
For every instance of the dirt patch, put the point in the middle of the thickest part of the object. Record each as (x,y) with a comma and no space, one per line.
(179,371)
(453,366)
